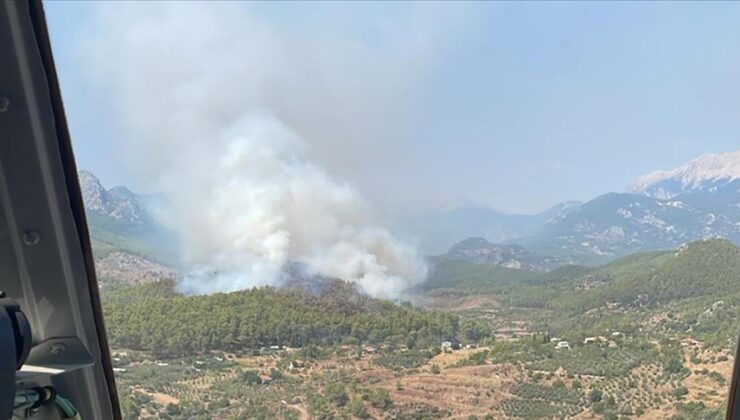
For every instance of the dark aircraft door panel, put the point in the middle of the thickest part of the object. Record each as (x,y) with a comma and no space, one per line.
(46,263)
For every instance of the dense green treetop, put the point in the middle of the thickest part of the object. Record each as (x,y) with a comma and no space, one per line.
(156,318)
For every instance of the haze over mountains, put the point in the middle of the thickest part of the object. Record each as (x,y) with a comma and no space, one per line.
(661,210)
(480,251)
(468,219)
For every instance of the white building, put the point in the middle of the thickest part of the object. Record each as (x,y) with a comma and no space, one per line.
(563,345)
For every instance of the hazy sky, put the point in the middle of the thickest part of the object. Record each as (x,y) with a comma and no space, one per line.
(514,105)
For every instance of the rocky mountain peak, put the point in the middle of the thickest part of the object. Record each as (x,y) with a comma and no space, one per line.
(93,192)
(708,172)
(118,203)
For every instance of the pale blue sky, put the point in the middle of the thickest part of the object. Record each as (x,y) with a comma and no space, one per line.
(524,104)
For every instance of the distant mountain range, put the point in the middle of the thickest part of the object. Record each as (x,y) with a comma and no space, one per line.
(481,251)
(718,174)
(469,219)
(662,210)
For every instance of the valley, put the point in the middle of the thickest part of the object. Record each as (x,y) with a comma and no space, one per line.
(489,347)
(625,306)
(377,210)
(447,385)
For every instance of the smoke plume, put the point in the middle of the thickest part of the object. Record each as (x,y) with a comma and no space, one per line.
(228,116)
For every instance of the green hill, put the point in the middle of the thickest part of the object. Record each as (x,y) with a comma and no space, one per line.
(157,319)
(147,240)
(700,269)
(703,268)
(695,290)
(471,278)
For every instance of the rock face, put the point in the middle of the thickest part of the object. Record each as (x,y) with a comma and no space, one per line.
(92,192)
(118,204)
(122,267)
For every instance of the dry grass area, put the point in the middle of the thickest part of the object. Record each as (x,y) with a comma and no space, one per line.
(702,386)
(158,397)
(471,390)
(460,303)
(448,359)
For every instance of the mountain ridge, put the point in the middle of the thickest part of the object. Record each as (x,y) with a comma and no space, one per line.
(480,251)
(117,203)
(660,210)
(711,170)
(129,246)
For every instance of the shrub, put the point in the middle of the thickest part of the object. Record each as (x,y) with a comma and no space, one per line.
(680,392)
(595,395)
(251,377)
(335,393)
(357,408)
(674,367)
(379,398)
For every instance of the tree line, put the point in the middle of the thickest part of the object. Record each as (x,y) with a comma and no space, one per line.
(154,318)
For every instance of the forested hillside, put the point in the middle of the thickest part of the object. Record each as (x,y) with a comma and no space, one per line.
(157,319)
(695,290)
(649,335)
(703,268)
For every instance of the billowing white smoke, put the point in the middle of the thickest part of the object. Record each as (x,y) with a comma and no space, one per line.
(201,94)
(258,205)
